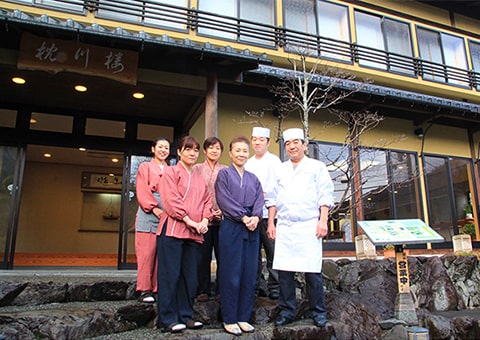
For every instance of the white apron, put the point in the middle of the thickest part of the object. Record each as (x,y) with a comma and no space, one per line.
(297,249)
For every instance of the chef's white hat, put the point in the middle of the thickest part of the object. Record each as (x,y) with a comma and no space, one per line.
(260,132)
(294,133)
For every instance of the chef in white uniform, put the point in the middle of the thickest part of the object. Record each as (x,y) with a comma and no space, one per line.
(300,202)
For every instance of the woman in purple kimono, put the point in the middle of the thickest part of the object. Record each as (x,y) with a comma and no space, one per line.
(240,198)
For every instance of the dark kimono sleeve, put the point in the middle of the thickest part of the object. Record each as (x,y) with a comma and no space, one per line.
(228,198)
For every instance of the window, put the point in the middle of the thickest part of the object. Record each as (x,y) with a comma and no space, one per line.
(475,54)
(149,132)
(73,5)
(166,13)
(127,10)
(259,11)
(105,128)
(51,122)
(222,20)
(438,49)
(333,24)
(8,118)
(449,187)
(156,13)
(384,34)
(390,186)
(335,157)
(308,21)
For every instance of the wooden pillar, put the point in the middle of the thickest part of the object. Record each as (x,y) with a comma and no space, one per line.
(211,106)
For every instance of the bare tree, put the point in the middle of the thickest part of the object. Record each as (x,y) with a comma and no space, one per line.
(313,88)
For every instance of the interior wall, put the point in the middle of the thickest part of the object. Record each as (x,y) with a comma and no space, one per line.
(51,211)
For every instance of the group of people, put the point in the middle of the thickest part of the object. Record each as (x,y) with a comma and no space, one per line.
(187,210)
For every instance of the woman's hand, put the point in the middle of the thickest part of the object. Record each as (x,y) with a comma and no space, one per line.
(199,227)
(157,211)
(250,222)
(217,214)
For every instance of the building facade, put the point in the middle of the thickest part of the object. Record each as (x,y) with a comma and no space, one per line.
(86,86)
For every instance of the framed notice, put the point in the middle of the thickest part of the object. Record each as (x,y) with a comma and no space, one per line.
(101,181)
(402,231)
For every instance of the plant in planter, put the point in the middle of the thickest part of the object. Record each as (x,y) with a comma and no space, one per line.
(469,229)
(388,251)
(468,211)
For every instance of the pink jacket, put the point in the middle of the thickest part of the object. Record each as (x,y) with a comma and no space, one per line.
(148,180)
(183,194)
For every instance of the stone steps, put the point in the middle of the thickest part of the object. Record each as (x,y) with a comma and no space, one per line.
(360,296)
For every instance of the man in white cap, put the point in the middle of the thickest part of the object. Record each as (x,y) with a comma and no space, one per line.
(263,165)
(301,200)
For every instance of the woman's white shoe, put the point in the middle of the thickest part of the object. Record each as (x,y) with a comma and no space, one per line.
(232,328)
(246,327)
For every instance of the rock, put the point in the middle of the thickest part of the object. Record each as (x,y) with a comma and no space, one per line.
(140,313)
(264,311)
(360,298)
(390,323)
(9,291)
(41,293)
(398,332)
(439,327)
(466,328)
(303,330)
(436,291)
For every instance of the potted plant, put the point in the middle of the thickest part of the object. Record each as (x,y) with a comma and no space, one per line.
(468,211)
(389,251)
(469,229)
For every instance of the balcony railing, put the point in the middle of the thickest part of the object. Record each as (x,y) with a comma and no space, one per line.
(177,18)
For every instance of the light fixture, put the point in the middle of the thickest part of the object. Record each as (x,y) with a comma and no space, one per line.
(80,88)
(18,80)
(115,160)
(33,121)
(419,132)
(82,149)
(47,155)
(138,95)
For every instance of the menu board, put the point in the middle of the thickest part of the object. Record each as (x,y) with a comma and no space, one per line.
(402,231)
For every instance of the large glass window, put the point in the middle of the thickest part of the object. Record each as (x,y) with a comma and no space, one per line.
(333,24)
(442,49)
(223,21)
(475,54)
(384,34)
(390,186)
(449,187)
(306,19)
(335,157)
(9,197)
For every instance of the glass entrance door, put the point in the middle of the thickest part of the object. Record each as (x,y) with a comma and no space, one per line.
(127,259)
(12,162)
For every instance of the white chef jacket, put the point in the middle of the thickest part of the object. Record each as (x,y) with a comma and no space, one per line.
(298,194)
(264,168)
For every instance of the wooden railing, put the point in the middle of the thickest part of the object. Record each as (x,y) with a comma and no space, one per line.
(177,18)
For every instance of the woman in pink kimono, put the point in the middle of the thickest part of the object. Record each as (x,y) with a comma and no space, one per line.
(187,211)
(147,219)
